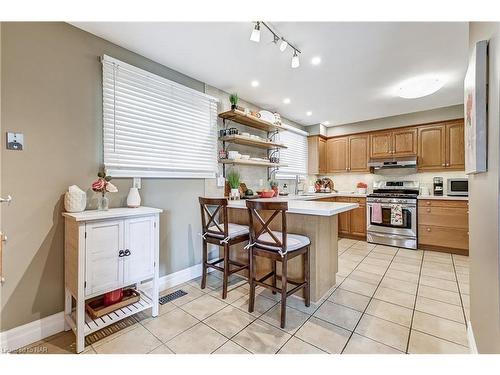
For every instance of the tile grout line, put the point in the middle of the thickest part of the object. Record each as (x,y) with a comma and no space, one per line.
(371,298)
(415,303)
(317,308)
(459,291)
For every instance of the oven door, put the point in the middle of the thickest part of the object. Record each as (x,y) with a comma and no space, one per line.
(408,228)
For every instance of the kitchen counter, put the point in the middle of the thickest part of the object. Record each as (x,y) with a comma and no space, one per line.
(316,220)
(443,197)
(307,206)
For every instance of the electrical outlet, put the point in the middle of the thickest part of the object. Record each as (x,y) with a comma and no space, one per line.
(137,182)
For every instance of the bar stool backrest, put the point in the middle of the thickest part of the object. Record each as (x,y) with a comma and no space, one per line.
(211,219)
(259,226)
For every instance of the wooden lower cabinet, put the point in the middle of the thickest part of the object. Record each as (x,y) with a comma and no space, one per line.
(352,224)
(443,225)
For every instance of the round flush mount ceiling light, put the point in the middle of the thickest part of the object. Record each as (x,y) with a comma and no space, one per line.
(286,101)
(255,83)
(316,60)
(309,113)
(419,86)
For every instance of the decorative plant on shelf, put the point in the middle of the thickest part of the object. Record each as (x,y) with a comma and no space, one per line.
(233,179)
(233,99)
(274,186)
(103,185)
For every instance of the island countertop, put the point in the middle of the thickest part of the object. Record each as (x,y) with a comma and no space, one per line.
(304,205)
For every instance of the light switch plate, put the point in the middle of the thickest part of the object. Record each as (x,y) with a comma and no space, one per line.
(137,182)
(15,141)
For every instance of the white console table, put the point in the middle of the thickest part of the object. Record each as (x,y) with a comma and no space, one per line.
(104,251)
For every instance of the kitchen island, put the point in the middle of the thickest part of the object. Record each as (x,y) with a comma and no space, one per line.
(308,217)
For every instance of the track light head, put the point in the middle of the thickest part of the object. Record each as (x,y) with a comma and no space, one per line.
(255,37)
(295,60)
(283,45)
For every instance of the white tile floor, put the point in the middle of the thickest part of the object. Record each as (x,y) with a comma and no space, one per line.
(387,300)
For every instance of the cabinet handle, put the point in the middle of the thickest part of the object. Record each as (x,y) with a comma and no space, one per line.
(121,253)
(428,229)
(444,164)
(428,210)
(127,252)
(428,203)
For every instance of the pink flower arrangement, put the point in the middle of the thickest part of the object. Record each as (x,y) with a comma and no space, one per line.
(103,184)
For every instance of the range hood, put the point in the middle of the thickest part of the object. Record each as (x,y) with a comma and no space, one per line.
(408,162)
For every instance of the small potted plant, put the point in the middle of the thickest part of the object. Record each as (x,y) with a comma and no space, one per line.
(274,186)
(361,187)
(233,99)
(103,185)
(233,179)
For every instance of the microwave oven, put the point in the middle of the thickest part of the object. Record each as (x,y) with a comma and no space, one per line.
(458,186)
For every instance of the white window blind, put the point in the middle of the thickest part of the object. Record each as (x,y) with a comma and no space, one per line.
(295,156)
(154,127)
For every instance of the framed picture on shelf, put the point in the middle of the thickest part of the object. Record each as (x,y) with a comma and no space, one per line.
(475,116)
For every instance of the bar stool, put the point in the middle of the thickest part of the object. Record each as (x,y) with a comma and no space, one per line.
(221,234)
(279,247)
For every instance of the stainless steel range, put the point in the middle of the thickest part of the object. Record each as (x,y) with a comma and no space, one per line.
(388,198)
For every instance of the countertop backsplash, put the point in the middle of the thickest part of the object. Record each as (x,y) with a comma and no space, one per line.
(348,181)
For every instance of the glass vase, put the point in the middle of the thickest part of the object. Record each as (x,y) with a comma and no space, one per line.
(103,203)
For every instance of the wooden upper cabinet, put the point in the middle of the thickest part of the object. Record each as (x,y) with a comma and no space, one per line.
(455,145)
(380,144)
(404,142)
(336,154)
(386,144)
(431,147)
(316,146)
(358,153)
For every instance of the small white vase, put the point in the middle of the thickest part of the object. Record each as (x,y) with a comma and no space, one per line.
(361,190)
(133,198)
(235,193)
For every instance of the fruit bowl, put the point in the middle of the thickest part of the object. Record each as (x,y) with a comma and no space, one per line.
(266,193)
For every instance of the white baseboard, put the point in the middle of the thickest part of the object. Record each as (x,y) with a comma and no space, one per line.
(26,334)
(37,330)
(471,339)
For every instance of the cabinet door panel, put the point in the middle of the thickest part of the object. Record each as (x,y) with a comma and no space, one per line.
(337,155)
(358,221)
(322,155)
(455,146)
(431,148)
(104,269)
(358,153)
(380,145)
(404,142)
(139,240)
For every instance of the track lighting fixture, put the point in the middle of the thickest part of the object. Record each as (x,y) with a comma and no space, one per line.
(283,45)
(255,37)
(295,60)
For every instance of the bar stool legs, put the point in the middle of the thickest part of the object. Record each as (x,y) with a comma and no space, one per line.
(226,271)
(284,282)
(251,279)
(204,265)
(307,289)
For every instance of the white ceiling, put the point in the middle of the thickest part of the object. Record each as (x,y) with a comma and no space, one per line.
(361,63)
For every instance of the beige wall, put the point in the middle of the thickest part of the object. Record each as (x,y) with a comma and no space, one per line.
(51,86)
(422,117)
(484,210)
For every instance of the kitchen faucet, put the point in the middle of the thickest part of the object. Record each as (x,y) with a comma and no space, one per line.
(297,182)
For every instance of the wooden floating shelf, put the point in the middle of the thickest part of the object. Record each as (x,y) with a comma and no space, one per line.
(241,118)
(251,162)
(241,140)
